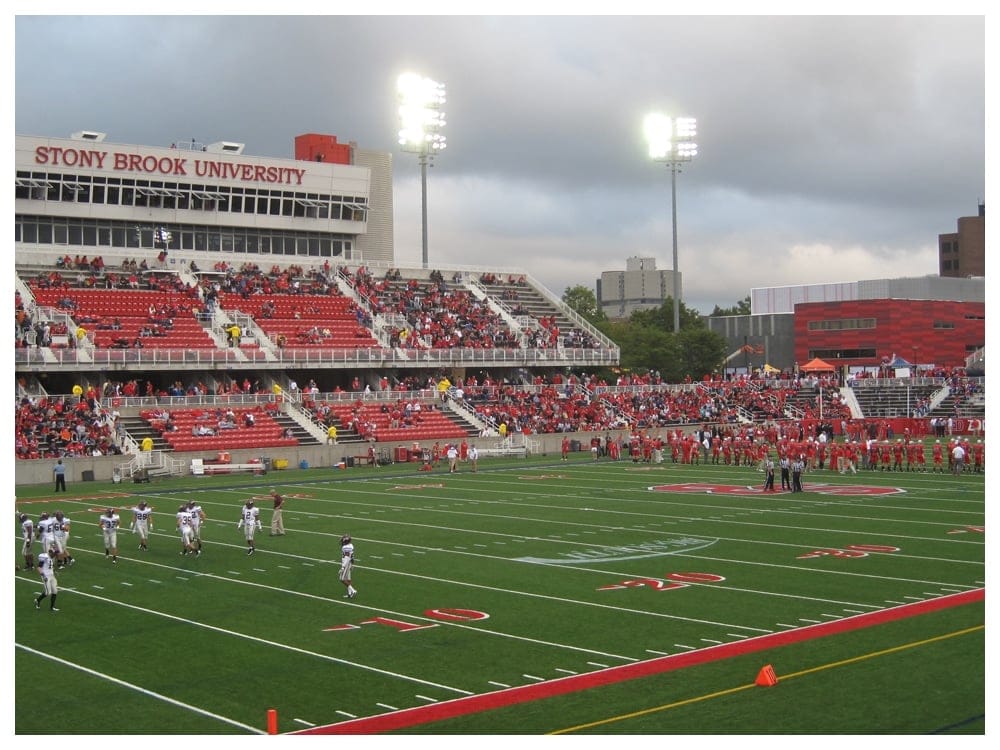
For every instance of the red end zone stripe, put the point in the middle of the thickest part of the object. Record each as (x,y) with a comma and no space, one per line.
(474,703)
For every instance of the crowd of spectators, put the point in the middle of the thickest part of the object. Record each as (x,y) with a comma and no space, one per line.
(438,316)
(58,427)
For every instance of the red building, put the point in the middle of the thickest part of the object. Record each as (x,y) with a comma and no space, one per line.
(860,333)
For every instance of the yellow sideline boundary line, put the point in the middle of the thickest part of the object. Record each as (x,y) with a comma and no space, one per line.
(790,676)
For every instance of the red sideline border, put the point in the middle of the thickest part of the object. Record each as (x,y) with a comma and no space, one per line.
(508,697)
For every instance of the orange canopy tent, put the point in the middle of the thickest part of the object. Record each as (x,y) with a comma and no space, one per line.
(817,365)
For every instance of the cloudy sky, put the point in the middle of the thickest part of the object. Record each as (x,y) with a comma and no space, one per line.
(831,148)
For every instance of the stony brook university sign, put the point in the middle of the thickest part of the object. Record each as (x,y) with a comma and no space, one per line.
(822,489)
(166,166)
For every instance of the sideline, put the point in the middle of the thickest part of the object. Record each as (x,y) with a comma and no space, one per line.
(463,706)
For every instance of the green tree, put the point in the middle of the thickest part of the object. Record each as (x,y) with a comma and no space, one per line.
(740,308)
(583,301)
(701,352)
(662,317)
(644,347)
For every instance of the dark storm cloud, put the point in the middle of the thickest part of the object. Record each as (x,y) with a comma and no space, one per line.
(836,148)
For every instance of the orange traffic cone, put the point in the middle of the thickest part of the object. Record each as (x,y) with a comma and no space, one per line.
(766,677)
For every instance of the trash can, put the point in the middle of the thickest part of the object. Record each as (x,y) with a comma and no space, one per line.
(303,464)
(402,454)
(266,463)
(87,475)
(349,460)
(574,445)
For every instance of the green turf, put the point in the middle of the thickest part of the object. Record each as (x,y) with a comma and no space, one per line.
(553,553)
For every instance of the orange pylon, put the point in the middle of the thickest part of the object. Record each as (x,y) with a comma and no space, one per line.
(766,677)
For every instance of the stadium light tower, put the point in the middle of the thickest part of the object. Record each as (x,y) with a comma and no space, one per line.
(420,121)
(671,140)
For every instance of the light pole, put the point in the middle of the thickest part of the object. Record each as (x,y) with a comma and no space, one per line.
(671,140)
(421,120)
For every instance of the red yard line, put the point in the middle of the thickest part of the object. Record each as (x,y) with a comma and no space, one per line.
(508,697)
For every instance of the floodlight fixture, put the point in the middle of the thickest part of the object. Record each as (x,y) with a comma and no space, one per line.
(421,121)
(671,140)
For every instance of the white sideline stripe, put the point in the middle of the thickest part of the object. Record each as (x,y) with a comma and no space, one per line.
(565,671)
(386,705)
(596,664)
(701,557)
(144,691)
(498,684)
(822,503)
(428,619)
(338,711)
(426,698)
(310,724)
(275,644)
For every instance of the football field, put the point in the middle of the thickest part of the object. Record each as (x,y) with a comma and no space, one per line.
(532,597)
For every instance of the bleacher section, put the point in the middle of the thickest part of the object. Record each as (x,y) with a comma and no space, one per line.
(180,428)
(390,421)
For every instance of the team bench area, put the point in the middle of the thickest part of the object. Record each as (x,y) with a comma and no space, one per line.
(200,467)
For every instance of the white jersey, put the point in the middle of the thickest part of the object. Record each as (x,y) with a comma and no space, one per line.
(347,555)
(46,565)
(28,531)
(196,515)
(46,531)
(346,561)
(142,515)
(110,523)
(61,528)
(183,518)
(250,516)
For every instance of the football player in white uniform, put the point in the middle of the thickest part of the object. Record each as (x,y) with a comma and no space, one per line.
(27,540)
(186,530)
(109,523)
(197,516)
(347,565)
(142,523)
(46,569)
(60,531)
(250,522)
(45,531)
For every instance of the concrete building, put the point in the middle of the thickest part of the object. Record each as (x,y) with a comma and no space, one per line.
(639,287)
(963,253)
(330,201)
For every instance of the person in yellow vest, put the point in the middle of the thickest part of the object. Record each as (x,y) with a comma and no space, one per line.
(147,444)
(502,429)
(331,435)
(443,385)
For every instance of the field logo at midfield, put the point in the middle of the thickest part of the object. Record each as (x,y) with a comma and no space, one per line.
(434,486)
(819,488)
(616,553)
